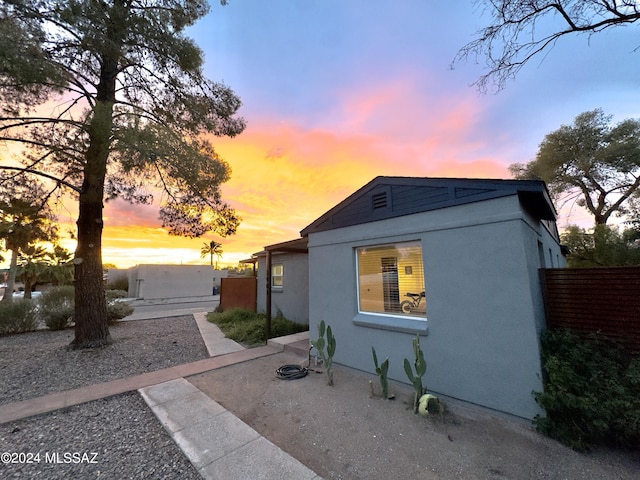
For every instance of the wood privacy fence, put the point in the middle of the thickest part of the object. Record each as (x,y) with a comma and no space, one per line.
(238,292)
(586,300)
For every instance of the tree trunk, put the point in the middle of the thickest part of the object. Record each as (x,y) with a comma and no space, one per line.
(91,328)
(28,285)
(11,279)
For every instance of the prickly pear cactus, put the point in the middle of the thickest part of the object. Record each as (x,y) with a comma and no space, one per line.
(420,366)
(330,343)
(382,370)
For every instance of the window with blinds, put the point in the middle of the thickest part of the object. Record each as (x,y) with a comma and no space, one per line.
(386,274)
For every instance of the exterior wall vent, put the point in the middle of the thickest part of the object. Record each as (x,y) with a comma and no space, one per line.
(379,200)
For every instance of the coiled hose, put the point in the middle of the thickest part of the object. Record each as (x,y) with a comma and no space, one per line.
(291,372)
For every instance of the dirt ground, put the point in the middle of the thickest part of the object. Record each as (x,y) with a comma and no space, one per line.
(344,432)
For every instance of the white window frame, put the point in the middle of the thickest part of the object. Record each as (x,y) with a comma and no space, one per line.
(275,285)
(394,321)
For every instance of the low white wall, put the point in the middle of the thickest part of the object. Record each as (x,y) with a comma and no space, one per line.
(115,274)
(151,282)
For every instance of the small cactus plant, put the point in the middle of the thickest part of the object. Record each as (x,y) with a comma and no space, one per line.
(429,404)
(420,366)
(330,343)
(382,370)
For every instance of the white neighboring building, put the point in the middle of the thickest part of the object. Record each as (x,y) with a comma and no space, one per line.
(156,282)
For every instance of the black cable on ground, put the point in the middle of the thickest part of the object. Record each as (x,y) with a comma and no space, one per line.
(291,372)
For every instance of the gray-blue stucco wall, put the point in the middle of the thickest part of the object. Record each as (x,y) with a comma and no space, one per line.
(484,305)
(292,300)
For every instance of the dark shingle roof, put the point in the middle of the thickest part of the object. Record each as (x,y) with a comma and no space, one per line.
(389,197)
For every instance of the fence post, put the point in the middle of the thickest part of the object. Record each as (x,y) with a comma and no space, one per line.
(268,298)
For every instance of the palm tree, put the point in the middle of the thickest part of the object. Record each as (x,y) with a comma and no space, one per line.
(25,219)
(212,248)
(32,265)
(60,271)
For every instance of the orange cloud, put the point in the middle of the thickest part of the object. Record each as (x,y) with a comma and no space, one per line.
(286,173)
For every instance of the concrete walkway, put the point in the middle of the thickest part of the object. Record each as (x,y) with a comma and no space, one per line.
(218,444)
(214,339)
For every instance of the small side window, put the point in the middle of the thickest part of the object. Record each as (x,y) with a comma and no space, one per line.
(277,276)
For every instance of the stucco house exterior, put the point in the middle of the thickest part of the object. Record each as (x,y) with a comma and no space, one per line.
(470,251)
(288,280)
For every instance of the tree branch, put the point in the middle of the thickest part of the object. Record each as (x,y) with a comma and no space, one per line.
(59,181)
(513,20)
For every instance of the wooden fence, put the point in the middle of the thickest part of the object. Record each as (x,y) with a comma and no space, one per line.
(603,300)
(238,292)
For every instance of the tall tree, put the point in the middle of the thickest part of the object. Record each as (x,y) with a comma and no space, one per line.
(592,160)
(25,219)
(131,112)
(212,248)
(522,29)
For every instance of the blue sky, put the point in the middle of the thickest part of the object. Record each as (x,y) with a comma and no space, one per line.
(297,58)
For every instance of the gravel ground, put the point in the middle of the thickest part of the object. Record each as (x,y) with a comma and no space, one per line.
(34,364)
(113,438)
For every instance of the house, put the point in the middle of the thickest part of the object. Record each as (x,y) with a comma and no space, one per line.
(291,297)
(469,251)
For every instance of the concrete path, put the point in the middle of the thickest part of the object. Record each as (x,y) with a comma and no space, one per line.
(214,339)
(163,308)
(218,444)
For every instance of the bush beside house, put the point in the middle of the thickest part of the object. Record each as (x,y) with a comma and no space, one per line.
(592,391)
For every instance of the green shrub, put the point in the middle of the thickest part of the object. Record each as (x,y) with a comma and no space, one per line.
(281,327)
(248,328)
(233,316)
(113,293)
(57,307)
(18,316)
(117,311)
(592,392)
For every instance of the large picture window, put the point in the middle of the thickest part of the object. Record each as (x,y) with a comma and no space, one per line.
(391,279)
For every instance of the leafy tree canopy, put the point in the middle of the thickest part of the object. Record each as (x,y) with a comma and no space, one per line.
(108,99)
(592,160)
(522,29)
(605,246)
(211,248)
(161,102)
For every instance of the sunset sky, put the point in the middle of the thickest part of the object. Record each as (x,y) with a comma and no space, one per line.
(336,92)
